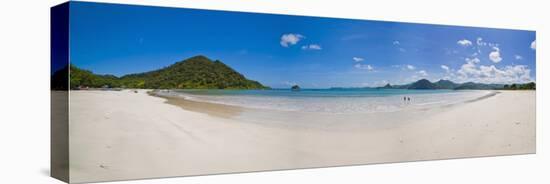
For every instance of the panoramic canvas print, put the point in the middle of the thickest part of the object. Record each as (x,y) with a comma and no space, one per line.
(147,92)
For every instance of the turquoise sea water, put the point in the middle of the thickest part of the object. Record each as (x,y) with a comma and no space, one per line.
(329,100)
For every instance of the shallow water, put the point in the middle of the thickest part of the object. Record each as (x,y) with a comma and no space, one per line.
(334,101)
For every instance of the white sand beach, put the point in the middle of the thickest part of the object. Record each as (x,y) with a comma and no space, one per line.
(118,135)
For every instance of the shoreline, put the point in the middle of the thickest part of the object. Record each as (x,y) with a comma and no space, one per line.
(177,98)
(311,120)
(117,135)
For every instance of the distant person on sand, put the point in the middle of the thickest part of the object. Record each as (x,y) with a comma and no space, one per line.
(409,99)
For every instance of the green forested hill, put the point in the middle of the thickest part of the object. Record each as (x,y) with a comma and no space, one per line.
(197,72)
(84,78)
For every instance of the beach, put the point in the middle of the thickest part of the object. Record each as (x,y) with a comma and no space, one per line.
(118,135)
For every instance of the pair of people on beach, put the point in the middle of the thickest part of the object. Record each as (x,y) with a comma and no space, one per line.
(406,99)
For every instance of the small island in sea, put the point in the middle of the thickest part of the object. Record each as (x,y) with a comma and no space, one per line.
(184,92)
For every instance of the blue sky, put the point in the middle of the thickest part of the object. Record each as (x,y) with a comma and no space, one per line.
(280,50)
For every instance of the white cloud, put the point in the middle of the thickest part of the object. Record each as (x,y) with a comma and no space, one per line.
(480,42)
(534,45)
(405,67)
(358,59)
(402,50)
(290,39)
(495,55)
(464,42)
(363,66)
(471,72)
(396,42)
(446,68)
(422,73)
(472,60)
(312,47)
(467,70)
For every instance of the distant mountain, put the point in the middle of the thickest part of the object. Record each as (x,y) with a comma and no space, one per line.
(197,72)
(387,86)
(447,84)
(422,84)
(472,85)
